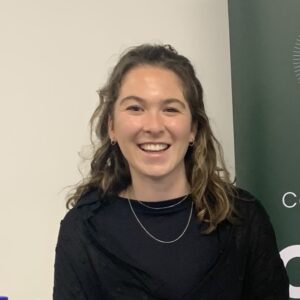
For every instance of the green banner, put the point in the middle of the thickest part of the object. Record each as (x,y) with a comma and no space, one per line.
(265,59)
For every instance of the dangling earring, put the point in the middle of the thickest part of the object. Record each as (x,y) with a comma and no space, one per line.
(112,142)
(191,144)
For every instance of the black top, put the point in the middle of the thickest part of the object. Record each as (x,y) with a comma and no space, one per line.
(180,265)
(103,253)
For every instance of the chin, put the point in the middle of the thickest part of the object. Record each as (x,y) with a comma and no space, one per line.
(158,174)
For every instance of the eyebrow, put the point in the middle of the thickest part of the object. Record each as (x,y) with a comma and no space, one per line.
(142,100)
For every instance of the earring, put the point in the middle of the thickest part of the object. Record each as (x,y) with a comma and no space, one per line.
(191,144)
(112,142)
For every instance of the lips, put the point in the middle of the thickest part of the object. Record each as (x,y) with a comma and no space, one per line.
(154,147)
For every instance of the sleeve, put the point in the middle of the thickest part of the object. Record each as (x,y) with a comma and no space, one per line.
(266,276)
(68,284)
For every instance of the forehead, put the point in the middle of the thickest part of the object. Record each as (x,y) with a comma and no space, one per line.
(151,77)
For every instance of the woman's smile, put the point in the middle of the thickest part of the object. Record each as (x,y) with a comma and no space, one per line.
(154,147)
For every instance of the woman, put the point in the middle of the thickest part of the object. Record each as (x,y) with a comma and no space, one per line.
(158,217)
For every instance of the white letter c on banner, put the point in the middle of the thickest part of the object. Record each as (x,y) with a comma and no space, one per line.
(287,254)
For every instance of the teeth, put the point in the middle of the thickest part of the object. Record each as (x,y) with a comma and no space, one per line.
(154,147)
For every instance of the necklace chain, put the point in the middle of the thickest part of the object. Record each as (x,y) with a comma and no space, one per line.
(164,207)
(155,238)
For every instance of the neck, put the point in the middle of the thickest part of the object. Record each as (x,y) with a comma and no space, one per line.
(148,189)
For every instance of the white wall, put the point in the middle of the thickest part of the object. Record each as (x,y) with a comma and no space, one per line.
(54,56)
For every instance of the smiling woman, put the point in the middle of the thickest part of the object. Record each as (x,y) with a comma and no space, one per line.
(158,217)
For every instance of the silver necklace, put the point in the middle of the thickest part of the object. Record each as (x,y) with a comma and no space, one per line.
(164,207)
(155,238)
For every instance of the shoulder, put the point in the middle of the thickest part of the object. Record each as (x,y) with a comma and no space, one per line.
(246,203)
(89,198)
(73,227)
(90,202)
(249,209)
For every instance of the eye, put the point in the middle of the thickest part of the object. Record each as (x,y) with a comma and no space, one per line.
(171,110)
(134,108)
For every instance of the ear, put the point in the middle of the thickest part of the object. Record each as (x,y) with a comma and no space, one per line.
(110,128)
(194,130)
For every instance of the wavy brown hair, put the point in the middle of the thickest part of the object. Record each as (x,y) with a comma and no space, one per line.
(211,188)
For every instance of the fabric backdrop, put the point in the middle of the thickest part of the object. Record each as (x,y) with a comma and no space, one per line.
(265,59)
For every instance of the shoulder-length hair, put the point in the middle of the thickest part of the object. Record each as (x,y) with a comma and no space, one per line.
(211,188)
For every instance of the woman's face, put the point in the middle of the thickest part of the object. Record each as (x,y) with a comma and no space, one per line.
(152,123)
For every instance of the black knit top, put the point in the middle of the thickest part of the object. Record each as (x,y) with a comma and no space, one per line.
(103,253)
(180,265)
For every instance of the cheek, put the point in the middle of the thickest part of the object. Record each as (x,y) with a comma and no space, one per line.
(125,127)
(181,130)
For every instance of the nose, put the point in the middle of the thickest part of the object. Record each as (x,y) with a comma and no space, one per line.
(153,123)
